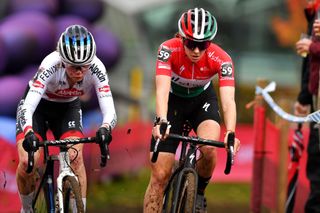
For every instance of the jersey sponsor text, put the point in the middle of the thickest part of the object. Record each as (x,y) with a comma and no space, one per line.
(96,71)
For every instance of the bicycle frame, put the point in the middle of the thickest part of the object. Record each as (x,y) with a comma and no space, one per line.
(64,169)
(187,164)
(47,179)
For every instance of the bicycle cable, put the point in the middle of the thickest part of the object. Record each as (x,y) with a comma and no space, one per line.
(71,160)
(200,152)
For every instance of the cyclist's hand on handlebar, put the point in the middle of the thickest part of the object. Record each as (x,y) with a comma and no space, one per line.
(30,142)
(236,143)
(161,129)
(103,135)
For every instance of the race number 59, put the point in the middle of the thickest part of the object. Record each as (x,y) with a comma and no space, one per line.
(226,70)
(164,54)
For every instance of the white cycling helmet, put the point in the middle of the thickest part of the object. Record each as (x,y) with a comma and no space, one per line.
(76,45)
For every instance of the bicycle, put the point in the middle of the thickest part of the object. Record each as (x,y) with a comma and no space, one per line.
(68,188)
(181,191)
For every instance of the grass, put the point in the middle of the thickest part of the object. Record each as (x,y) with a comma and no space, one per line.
(125,194)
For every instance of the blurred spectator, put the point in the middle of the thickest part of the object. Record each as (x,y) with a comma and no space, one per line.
(308,99)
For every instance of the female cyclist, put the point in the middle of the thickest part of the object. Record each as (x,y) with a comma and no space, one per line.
(51,101)
(185,68)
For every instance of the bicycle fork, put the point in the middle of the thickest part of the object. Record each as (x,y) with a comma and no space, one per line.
(65,171)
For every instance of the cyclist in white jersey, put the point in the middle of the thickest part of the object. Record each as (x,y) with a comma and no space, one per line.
(51,101)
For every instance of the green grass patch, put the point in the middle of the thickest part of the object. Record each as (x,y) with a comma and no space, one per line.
(127,192)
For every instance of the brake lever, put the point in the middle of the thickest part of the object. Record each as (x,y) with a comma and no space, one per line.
(163,129)
(105,154)
(30,162)
(230,152)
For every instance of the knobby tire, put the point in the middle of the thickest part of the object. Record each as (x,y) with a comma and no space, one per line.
(71,190)
(187,194)
(186,198)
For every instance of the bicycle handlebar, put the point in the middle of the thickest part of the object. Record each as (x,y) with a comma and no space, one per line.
(200,141)
(230,153)
(104,150)
(163,128)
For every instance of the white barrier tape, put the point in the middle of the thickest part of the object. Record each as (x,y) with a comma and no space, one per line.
(315,116)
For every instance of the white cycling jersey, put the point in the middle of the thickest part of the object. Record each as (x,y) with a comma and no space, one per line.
(50,83)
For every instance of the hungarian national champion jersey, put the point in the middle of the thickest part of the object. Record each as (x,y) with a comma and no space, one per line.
(189,79)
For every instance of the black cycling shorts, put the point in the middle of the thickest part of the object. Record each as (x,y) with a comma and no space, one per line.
(62,118)
(195,110)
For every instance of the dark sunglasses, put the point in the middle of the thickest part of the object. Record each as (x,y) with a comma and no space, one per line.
(193,44)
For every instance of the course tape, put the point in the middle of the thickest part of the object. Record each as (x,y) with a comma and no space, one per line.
(315,116)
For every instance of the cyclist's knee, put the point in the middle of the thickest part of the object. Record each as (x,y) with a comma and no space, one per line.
(22,168)
(77,162)
(209,152)
(160,177)
(23,162)
(76,156)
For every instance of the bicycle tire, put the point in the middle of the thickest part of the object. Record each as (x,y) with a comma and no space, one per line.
(168,199)
(187,194)
(71,190)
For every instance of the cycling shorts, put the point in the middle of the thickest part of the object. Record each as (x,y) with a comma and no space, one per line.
(64,119)
(195,109)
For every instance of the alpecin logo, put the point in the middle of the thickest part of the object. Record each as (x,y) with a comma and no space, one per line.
(69,92)
(37,84)
(104,89)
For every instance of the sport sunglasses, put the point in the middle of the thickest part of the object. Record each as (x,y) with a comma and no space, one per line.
(77,67)
(193,44)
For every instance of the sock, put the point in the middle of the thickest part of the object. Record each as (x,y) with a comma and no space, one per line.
(84,201)
(26,202)
(202,184)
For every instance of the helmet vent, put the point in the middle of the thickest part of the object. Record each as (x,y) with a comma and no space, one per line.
(76,45)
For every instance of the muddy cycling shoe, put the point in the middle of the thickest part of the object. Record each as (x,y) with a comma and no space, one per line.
(201,204)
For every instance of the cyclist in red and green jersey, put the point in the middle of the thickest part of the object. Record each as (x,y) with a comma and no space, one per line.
(185,68)
(192,73)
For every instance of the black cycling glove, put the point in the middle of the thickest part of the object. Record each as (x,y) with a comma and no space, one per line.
(103,135)
(30,142)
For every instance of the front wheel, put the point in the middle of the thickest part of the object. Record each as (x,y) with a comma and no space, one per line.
(168,199)
(187,194)
(72,201)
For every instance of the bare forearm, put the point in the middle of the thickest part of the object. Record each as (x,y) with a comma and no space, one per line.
(230,116)
(228,107)
(162,95)
(161,105)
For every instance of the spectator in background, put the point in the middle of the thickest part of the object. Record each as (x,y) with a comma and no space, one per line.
(309,48)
